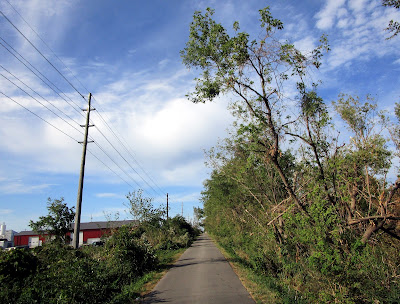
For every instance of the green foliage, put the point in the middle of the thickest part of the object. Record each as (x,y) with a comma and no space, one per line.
(370,148)
(55,273)
(127,257)
(317,223)
(57,223)
(394,26)
(17,268)
(169,234)
(141,208)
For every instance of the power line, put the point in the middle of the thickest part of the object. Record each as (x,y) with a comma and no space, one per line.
(68,122)
(39,95)
(51,88)
(72,139)
(26,22)
(38,116)
(56,86)
(49,62)
(42,55)
(126,149)
(110,168)
(117,165)
(57,115)
(39,102)
(119,153)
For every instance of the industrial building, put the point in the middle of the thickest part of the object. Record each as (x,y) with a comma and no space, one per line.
(6,237)
(89,233)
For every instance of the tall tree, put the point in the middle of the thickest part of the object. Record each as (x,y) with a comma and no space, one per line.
(57,223)
(259,72)
(142,208)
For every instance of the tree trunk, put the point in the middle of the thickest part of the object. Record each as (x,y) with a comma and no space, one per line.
(373,227)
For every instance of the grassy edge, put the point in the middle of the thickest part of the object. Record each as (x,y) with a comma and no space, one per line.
(250,280)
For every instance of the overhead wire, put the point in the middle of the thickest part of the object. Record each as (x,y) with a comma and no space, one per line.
(26,38)
(86,90)
(55,86)
(67,122)
(131,155)
(94,155)
(49,123)
(129,150)
(72,101)
(40,96)
(33,67)
(119,153)
(68,134)
(101,148)
(44,42)
(58,129)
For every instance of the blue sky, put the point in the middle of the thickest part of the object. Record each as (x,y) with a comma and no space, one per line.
(126,53)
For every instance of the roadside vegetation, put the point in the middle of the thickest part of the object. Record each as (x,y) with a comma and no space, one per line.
(113,273)
(306,206)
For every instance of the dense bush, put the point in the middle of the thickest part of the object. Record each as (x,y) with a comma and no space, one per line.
(127,257)
(60,274)
(17,269)
(300,259)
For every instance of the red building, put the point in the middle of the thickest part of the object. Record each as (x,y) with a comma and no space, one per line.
(89,233)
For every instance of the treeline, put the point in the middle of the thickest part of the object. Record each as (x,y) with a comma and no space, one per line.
(112,273)
(310,212)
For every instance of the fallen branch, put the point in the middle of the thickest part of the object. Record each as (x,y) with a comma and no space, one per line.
(279,215)
(377,217)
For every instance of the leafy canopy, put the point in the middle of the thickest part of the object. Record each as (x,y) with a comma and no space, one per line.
(141,208)
(57,223)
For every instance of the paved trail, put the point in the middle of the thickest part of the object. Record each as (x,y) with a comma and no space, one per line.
(201,275)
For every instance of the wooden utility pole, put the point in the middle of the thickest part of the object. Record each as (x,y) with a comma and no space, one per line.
(81,177)
(167,206)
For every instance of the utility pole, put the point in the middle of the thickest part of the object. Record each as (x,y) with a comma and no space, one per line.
(167,206)
(182,209)
(81,177)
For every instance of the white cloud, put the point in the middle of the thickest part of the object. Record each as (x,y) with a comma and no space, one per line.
(165,130)
(50,17)
(356,31)
(357,5)
(307,44)
(6,211)
(178,125)
(18,187)
(327,16)
(108,195)
(185,174)
(186,198)
(163,63)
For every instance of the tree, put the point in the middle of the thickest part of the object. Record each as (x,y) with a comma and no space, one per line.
(141,208)
(198,215)
(366,162)
(258,72)
(394,26)
(304,216)
(57,223)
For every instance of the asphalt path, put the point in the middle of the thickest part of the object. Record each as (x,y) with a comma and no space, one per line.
(201,275)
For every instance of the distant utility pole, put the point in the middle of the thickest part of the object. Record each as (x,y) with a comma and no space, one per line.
(167,206)
(82,174)
(182,209)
